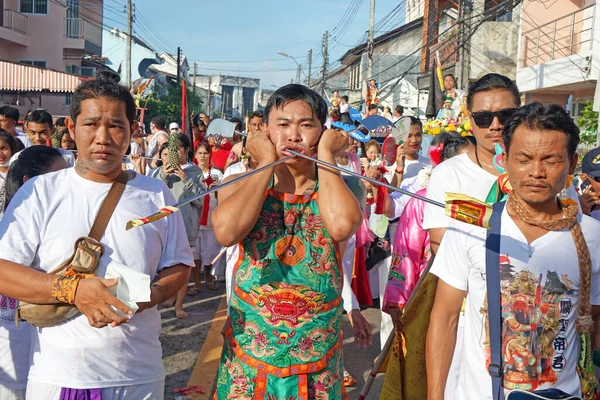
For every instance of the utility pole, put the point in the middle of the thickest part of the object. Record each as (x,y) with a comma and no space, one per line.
(178,67)
(128,48)
(465,27)
(194,80)
(309,67)
(208,99)
(298,73)
(370,45)
(325,61)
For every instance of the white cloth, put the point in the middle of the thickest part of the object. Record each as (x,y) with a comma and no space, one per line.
(456,175)
(15,343)
(550,262)
(135,148)
(10,394)
(344,108)
(348,297)
(386,326)
(147,391)
(232,253)
(207,247)
(67,155)
(41,224)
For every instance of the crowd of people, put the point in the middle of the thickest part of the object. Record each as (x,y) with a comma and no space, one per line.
(298,244)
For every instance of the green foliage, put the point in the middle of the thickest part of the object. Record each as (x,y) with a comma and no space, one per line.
(169,105)
(588,123)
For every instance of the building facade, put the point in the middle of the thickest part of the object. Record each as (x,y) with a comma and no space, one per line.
(64,37)
(142,55)
(559,53)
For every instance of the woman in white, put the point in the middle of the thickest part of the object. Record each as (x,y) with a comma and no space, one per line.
(207,247)
(8,147)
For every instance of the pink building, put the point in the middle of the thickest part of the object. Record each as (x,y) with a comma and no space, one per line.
(61,35)
(559,52)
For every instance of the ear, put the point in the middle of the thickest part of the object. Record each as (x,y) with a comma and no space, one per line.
(25,179)
(70,124)
(573,165)
(505,159)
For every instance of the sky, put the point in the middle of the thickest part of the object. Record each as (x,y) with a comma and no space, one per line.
(241,38)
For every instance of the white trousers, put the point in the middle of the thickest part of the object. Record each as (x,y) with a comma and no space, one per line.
(148,391)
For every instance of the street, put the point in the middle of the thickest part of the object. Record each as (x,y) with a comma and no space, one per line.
(192,346)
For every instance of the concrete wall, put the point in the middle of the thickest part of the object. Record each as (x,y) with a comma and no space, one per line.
(494,48)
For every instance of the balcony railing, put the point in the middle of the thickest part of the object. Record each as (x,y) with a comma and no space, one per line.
(563,37)
(77,28)
(15,21)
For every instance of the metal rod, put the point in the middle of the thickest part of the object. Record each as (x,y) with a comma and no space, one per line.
(371,180)
(231,182)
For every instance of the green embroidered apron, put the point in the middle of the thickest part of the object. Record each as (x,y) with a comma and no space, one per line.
(284,340)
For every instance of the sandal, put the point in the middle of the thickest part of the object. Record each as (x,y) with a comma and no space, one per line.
(349,380)
(193,291)
(214,285)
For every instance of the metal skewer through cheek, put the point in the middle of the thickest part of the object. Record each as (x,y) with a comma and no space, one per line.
(374,181)
(231,182)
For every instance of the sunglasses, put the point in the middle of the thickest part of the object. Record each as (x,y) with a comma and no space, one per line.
(484,119)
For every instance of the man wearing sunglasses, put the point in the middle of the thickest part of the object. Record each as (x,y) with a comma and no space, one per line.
(491,101)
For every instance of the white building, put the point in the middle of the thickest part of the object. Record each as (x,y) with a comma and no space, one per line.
(234,96)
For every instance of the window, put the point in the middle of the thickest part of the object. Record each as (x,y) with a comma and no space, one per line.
(34,6)
(34,63)
(73,69)
(68,98)
(88,71)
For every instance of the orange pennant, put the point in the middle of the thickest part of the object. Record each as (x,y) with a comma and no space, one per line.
(469,210)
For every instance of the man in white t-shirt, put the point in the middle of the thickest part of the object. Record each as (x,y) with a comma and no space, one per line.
(9,117)
(98,353)
(38,128)
(539,271)
(491,101)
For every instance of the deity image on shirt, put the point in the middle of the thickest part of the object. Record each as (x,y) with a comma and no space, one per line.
(535,318)
(7,308)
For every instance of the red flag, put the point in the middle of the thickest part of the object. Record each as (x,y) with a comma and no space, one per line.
(183,105)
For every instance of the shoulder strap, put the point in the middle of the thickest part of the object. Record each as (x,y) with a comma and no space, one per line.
(492,263)
(108,206)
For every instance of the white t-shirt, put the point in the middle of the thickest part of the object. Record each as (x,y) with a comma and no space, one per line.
(344,108)
(456,175)
(135,148)
(551,262)
(67,155)
(41,224)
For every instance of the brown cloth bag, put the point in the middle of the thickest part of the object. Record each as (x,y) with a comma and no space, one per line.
(84,260)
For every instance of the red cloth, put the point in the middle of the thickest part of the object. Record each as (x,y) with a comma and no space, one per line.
(360,280)
(220,155)
(205,209)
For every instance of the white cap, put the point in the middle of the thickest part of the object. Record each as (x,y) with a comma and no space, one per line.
(174,125)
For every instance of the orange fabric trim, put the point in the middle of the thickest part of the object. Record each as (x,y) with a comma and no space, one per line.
(295,369)
(303,387)
(292,198)
(260,386)
(248,298)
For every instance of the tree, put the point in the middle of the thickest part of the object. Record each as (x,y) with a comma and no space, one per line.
(588,123)
(169,106)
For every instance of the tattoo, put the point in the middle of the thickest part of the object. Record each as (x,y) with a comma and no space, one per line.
(309,190)
(79,167)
